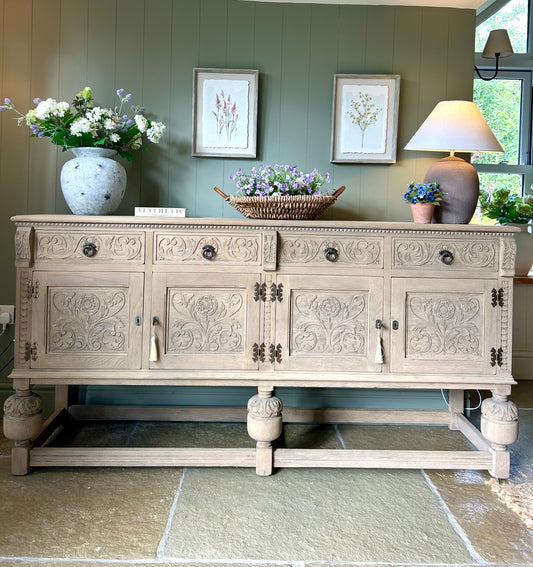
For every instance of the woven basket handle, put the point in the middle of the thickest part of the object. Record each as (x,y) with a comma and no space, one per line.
(338,192)
(221,193)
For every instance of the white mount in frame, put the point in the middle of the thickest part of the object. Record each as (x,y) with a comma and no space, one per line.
(224,113)
(365,118)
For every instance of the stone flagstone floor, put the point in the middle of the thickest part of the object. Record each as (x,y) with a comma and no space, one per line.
(118,517)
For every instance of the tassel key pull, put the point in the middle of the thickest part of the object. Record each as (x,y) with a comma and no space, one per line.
(154,350)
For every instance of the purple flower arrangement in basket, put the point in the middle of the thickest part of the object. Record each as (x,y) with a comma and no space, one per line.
(279,180)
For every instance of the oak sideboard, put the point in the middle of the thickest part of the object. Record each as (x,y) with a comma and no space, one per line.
(226,302)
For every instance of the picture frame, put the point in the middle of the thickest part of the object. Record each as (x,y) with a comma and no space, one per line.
(224,113)
(365,118)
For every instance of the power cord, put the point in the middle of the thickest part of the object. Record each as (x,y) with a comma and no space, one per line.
(466,409)
(5,319)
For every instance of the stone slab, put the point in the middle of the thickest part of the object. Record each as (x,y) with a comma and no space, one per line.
(95,513)
(311,515)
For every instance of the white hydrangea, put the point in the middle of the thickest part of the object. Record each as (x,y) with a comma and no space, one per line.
(110,124)
(155,132)
(80,126)
(50,107)
(114,137)
(142,123)
(95,114)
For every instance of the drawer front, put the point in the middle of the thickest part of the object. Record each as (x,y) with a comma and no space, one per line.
(236,249)
(305,250)
(446,254)
(90,247)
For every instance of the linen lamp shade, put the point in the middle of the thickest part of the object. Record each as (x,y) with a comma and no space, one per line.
(455,126)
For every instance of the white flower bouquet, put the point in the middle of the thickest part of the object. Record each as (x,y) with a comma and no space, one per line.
(90,126)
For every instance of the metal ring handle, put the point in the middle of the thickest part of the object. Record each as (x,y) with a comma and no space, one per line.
(331,254)
(446,257)
(209,252)
(89,249)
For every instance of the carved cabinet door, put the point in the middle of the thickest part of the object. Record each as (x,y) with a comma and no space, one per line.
(86,320)
(206,320)
(328,323)
(449,325)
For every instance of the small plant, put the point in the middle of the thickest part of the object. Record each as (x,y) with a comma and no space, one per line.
(88,126)
(504,206)
(423,193)
(278,180)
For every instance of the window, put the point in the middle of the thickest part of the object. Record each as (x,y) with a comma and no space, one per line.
(505,102)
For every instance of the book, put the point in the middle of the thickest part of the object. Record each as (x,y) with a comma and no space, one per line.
(159,212)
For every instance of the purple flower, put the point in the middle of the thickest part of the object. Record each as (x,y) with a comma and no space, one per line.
(7,101)
(3,107)
(120,93)
(37,100)
(40,134)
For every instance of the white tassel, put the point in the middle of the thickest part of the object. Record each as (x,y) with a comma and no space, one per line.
(154,355)
(379,350)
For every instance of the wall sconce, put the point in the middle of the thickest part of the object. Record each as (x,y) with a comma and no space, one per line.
(498,45)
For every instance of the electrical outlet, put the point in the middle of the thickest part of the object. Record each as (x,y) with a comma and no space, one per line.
(7,314)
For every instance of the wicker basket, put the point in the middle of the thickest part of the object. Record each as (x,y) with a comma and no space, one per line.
(287,207)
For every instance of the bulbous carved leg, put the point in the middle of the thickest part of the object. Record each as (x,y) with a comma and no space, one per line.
(499,425)
(23,418)
(264,425)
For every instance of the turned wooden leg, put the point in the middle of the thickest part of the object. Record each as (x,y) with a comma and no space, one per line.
(499,425)
(23,420)
(264,424)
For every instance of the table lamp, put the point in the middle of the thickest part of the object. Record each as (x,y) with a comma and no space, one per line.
(455,126)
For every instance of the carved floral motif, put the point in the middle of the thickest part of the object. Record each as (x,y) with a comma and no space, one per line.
(206,322)
(334,324)
(443,325)
(22,244)
(260,406)
(51,246)
(88,320)
(189,248)
(360,251)
(24,405)
(478,254)
(499,410)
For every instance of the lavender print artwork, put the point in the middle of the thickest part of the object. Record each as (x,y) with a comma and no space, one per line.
(225,113)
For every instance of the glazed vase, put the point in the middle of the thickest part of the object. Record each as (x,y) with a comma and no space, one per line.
(93,183)
(422,212)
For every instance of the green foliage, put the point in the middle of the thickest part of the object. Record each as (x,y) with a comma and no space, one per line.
(499,102)
(504,206)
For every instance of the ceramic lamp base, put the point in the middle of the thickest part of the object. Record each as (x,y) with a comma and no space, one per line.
(459,181)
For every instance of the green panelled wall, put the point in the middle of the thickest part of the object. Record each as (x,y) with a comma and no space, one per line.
(54,48)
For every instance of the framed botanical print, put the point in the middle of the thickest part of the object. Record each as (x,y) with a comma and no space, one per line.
(365,118)
(225,113)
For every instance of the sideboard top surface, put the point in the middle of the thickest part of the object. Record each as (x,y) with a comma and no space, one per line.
(255,224)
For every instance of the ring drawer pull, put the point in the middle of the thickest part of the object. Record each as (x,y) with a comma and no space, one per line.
(331,254)
(209,252)
(446,257)
(89,249)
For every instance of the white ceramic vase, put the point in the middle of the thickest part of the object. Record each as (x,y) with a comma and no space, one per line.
(93,183)
(524,249)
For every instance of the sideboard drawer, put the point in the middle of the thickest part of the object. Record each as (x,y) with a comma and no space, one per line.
(89,247)
(190,248)
(307,250)
(479,254)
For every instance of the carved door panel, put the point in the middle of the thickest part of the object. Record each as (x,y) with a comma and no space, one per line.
(328,323)
(206,320)
(444,326)
(87,320)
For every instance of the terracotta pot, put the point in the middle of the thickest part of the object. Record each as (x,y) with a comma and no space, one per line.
(422,212)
